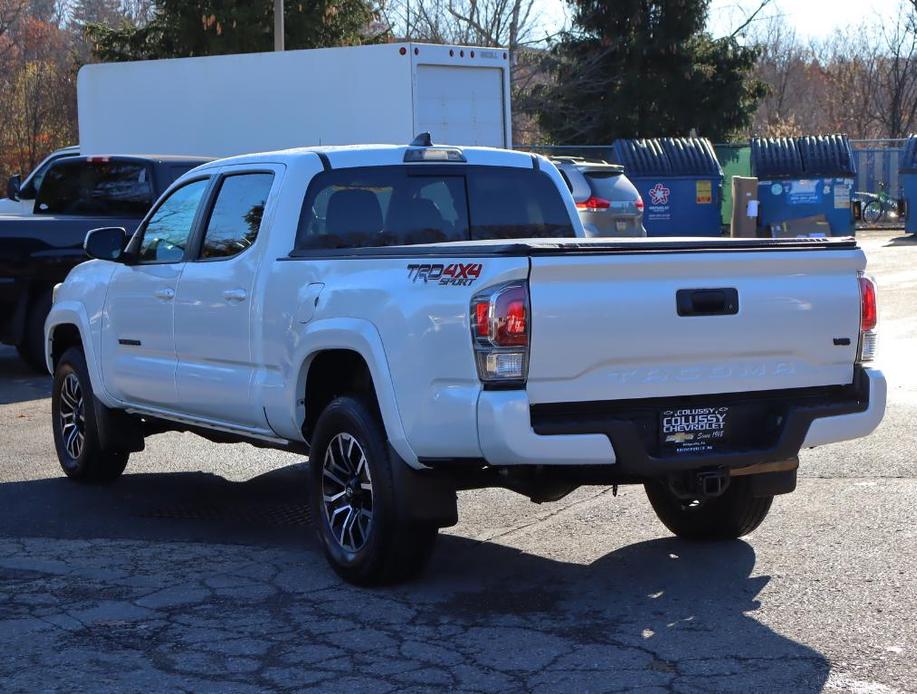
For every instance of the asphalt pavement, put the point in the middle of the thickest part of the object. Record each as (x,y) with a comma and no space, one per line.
(198,571)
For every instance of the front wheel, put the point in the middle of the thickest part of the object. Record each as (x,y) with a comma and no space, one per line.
(733,514)
(75,421)
(366,537)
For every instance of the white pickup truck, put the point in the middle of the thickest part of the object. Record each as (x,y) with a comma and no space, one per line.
(425,319)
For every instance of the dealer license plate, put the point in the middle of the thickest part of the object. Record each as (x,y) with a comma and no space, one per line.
(693,430)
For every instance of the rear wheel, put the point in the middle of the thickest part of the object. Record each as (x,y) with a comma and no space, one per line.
(872,212)
(366,537)
(32,346)
(75,421)
(732,514)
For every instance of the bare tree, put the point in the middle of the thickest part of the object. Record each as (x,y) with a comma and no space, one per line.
(848,65)
(895,103)
(504,23)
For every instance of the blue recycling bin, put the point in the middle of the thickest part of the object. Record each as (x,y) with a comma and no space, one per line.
(907,175)
(804,177)
(680,181)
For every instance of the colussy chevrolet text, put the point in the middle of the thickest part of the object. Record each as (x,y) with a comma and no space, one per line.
(423,319)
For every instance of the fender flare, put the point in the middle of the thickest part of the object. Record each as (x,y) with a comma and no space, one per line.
(74,313)
(362,337)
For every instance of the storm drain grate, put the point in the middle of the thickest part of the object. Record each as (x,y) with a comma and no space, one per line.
(280,515)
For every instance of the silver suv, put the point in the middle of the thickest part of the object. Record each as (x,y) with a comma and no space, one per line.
(607,202)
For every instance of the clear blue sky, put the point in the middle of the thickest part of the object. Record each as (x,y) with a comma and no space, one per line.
(811,18)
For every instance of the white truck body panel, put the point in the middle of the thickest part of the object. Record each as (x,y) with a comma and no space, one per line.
(226,105)
(603,327)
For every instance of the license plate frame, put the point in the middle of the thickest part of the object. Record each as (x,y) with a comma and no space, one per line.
(694,430)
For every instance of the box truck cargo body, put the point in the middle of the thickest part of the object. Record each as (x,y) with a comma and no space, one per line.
(223,105)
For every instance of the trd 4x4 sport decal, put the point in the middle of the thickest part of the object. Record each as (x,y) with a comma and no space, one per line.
(454,274)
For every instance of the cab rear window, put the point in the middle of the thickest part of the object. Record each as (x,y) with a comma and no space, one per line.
(404,205)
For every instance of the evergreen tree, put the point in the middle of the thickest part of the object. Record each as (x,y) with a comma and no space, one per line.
(646,68)
(181,28)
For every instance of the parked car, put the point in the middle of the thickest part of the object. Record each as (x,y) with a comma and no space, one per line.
(607,202)
(375,93)
(38,250)
(423,319)
(20,195)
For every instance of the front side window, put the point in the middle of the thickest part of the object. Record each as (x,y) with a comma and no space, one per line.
(104,188)
(166,234)
(401,205)
(236,216)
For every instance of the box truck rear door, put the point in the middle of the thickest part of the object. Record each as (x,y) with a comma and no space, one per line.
(460,105)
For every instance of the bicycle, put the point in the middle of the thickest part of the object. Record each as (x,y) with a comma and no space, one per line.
(877,207)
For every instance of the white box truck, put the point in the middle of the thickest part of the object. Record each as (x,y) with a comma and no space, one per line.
(233,104)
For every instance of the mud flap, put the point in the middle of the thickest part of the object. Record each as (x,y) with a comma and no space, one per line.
(773,483)
(424,496)
(118,431)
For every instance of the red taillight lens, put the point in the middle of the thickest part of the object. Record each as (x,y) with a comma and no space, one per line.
(639,204)
(482,318)
(869,310)
(510,318)
(593,204)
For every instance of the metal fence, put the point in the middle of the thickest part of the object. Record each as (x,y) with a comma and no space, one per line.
(877,164)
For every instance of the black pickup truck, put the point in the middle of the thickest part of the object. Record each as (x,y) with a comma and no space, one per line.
(77,194)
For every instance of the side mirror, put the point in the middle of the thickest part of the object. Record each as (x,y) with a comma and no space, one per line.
(106,243)
(12,187)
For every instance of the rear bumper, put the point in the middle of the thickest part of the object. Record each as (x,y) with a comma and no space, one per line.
(512,432)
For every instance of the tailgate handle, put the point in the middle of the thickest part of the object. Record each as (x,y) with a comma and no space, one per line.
(707,302)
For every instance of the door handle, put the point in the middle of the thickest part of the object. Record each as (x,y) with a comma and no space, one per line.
(235,295)
(166,294)
(707,302)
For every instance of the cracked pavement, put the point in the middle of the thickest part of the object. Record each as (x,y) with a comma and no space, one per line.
(198,571)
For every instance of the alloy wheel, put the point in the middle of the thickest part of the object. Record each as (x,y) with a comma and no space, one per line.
(72,416)
(347,492)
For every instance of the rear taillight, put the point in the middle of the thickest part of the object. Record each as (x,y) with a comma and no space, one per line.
(869,320)
(639,204)
(500,333)
(593,204)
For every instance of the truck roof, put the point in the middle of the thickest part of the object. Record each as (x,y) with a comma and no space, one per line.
(347,156)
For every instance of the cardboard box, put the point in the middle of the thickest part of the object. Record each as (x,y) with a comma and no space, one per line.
(744,207)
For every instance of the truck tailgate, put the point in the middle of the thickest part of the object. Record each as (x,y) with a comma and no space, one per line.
(608,326)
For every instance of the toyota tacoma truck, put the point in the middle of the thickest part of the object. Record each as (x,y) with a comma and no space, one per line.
(424,319)
(37,251)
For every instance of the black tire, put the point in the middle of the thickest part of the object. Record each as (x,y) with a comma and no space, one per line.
(733,514)
(872,212)
(387,547)
(72,400)
(32,346)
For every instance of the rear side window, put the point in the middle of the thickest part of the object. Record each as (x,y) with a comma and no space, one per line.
(398,205)
(96,188)
(236,216)
(607,185)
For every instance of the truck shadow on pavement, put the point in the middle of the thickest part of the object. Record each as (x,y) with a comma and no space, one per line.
(20,383)
(183,581)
